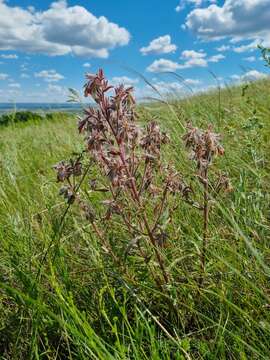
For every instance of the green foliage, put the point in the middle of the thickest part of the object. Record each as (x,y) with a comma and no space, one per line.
(80,306)
(20,116)
(29,116)
(265,54)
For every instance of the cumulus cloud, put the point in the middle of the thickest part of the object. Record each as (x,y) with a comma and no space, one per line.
(196,62)
(235,77)
(3,76)
(59,30)
(223,48)
(8,56)
(56,89)
(163,65)
(251,75)
(14,85)
(164,87)
(192,82)
(87,65)
(125,80)
(250,58)
(216,58)
(246,48)
(14,93)
(235,19)
(161,45)
(190,58)
(193,58)
(24,76)
(195,3)
(192,54)
(51,93)
(49,75)
(24,67)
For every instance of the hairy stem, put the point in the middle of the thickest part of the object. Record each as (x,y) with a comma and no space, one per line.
(136,196)
(205,223)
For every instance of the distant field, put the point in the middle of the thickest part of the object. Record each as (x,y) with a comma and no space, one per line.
(75,304)
(38,107)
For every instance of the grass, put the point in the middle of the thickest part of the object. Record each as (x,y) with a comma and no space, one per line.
(76,304)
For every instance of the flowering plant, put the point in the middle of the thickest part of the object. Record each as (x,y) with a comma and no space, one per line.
(139,187)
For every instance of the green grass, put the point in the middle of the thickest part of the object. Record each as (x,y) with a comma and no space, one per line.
(77,305)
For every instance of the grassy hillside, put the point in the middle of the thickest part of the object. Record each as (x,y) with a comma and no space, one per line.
(74,303)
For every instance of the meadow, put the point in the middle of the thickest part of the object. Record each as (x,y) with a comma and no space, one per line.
(64,297)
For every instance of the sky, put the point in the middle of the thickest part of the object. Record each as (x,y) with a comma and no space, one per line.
(47,47)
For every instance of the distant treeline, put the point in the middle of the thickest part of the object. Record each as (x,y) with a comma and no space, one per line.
(25,116)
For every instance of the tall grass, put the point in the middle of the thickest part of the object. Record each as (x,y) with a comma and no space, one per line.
(80,307)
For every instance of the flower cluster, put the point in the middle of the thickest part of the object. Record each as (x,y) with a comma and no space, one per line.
(204,146)
(66,171)
(152,140)
(110,130)
(119,146)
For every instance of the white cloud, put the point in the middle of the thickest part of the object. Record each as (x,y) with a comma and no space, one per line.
(246,48)
(14,85)
(168,87)
(9,56)
(31,9)
(192,81)
(235,77)
(191,58)
(184,3)
(49,75)
(161,45)
(235,19)
(251,75)
(223,48)
(199,62)
(162,87)
(59,30)
(51,93)
(87,65)
(56,89)
(14,92)
(24,67)
(195,3)
(250,58)
(187,54)
(216,58)
(3,76)
(165,88)
(24,76)
(117,80)
(163,65)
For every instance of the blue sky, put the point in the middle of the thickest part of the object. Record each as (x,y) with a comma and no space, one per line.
(46,47)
